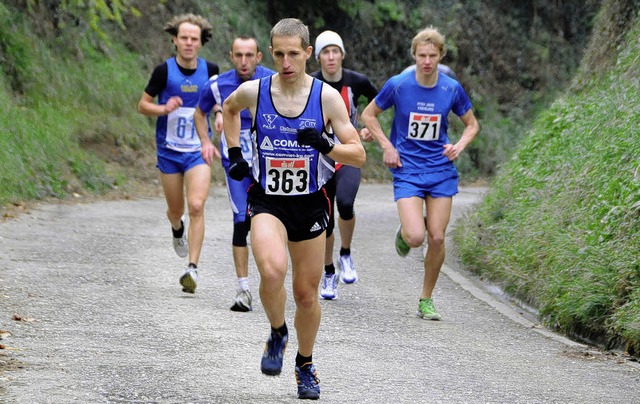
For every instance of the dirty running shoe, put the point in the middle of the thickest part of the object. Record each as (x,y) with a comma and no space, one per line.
(427,310)
(348,272)
(180,245)
(189,280)
(402,248)
(308,382)
(242,301)
(271,363)
(329,288)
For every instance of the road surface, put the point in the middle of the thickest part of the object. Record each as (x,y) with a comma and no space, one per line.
(104,321)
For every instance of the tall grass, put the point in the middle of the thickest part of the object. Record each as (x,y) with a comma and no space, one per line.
(69,121)
(560,225)
(54,99)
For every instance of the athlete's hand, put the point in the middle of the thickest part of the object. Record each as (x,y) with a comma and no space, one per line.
(365,135)
(313,138)
(172,104)
(209,151)
(451,151)
(391,158)
(238,166)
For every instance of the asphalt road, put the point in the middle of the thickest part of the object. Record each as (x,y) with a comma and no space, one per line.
(104,321)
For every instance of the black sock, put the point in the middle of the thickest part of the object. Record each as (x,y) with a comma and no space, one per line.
(178,233)
(282,331)
(303,360)
(329,269)
(345,251)
(192,265)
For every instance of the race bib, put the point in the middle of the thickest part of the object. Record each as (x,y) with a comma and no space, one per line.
(245,144)
(423,127)
(287,176)
(181,131)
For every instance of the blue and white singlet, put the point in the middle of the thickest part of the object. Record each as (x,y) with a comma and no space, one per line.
(177,131)
(280,165)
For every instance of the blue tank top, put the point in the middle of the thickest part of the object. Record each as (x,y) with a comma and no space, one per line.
(177,131)
(280,165)
(419,129)
(215,91)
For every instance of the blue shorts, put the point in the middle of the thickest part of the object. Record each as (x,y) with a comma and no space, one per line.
(173,162)
(437,184)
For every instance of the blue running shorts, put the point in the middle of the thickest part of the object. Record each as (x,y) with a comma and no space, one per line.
(437,184)
(173,162)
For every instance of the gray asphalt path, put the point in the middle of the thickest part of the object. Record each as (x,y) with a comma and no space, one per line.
(107,321)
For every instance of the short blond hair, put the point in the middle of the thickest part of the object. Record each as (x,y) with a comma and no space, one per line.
(173,26)
(291,27)
(429,35)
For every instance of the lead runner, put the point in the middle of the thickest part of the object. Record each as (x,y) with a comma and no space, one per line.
(289,210)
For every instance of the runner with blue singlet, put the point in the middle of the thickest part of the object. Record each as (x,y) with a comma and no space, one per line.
(245,55)
(293,158)
(180,150)
(420,155)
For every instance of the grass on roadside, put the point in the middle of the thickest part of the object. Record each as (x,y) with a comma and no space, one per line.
(560,226)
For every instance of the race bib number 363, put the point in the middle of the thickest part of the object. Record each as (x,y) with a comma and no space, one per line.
(424,127)
(287,176)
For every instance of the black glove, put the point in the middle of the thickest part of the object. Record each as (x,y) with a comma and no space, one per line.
(313,138)
(238,166)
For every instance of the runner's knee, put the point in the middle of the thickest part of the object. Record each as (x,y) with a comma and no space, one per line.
(240,231)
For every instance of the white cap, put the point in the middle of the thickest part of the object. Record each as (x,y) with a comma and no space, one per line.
(328,38)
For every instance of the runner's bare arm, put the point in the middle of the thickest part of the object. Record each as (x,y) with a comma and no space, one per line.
(245,96)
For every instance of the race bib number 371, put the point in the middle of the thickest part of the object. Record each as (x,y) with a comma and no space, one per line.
(424,127)
(287,176)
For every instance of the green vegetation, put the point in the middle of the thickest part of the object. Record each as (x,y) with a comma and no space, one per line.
(69,119)
(560,225)
(51,104)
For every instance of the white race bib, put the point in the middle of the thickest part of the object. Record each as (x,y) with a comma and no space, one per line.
(287,176)
(423,127)
(245,145)
(181,131)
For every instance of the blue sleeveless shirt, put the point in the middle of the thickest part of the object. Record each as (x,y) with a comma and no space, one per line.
(177,131)
(280,165)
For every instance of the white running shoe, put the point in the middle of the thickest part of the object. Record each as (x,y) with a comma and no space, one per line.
(347,270)
(189,280)
(181,245)
(242,301)
(329,289)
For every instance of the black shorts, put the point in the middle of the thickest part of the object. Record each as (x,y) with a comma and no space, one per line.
(304,216)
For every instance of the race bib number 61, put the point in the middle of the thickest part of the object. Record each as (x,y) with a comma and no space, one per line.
(287,176)
(424,127)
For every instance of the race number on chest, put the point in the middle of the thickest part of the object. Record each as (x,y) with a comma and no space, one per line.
(424,127)
(287,176)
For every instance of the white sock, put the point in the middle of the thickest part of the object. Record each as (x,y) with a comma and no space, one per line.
(243,283)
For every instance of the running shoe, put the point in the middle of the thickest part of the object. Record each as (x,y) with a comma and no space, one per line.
(427,310)
(180,245)
(402,248)
(242,301)
(189,280)
(348,272)
(329,288)
(308,382)
(271,363)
